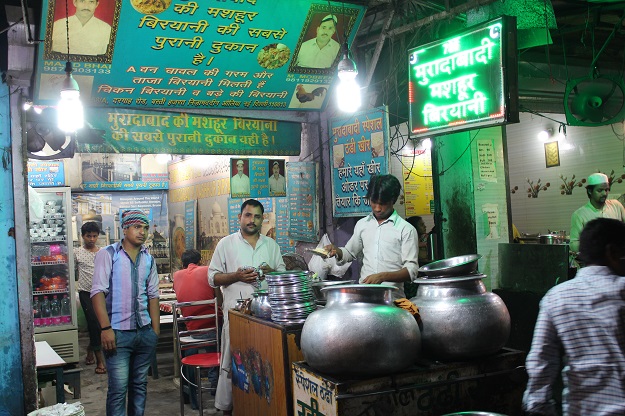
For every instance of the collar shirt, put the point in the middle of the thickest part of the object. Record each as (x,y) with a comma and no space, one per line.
(233,252)
(91,39)
(310,56)
(191,284)
(581,319)
(386,247)
(612,209)
(127,285)
(277,186)
(84,260)
(240,184)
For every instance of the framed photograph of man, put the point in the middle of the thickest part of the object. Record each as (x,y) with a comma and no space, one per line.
(239,178)
(277,181)
(325,30)
(92,30)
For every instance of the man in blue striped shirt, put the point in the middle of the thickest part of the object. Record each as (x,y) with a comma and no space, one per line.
(580,329)
(125,299)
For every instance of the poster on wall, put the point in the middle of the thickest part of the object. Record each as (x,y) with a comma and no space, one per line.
(43,174)
(257,178)
(104,209)
(358,149)
(303,224)
(196,55)
(121,172)
(418,187)
(189,224)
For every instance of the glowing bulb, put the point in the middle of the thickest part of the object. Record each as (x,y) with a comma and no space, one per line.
(70,112)
(348,95)
(543,135)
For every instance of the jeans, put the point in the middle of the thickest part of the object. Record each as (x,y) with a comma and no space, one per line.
(189,372)
(128,371)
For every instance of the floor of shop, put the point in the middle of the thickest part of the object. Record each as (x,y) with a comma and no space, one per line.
(163,393)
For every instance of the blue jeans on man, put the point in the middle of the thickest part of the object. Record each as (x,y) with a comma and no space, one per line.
(128,371)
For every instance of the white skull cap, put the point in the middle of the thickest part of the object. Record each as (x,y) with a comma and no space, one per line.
(597,179)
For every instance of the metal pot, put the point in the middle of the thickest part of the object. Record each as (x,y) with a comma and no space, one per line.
(317,287)
(460,319)
(260,306)
(360,332)
(550,239)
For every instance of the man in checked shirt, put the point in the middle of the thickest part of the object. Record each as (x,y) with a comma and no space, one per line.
(581,330)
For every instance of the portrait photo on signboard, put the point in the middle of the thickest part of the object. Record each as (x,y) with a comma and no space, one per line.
(277,183)
(325,30)
(239,178)
(92,31)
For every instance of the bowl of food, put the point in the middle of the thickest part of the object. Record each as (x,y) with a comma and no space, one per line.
(453,266)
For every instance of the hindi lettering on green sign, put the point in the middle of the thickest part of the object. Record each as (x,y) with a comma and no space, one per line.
(464,82)
(129,131)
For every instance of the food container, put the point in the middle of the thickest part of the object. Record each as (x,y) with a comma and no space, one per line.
(453,266)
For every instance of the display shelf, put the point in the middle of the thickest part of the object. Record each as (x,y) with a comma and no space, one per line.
(47,263)
(50,292)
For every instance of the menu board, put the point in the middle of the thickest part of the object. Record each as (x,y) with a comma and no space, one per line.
(358,149)
(253,54)
(189,223)
(302,185)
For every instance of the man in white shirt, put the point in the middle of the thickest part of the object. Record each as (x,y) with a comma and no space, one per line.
(386,242)
(233,269)
(88,35)
(277,183)
(240,183)
(321,51)
(598,206)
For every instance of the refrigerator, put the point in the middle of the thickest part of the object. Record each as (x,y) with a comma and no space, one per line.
(52,273)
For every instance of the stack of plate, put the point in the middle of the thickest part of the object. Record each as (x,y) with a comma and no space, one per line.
(290,296)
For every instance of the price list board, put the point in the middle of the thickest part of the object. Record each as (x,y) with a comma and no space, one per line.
(302,200)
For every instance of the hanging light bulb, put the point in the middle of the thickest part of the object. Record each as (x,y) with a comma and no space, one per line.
(348,90)
(69,111)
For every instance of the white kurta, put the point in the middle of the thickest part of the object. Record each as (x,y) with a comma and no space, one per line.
(240,184)
(310,56)
(277,186)
(231,253)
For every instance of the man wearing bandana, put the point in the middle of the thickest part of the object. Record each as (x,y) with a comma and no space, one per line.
(124,294)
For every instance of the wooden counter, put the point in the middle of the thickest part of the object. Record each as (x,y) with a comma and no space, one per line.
(263,352)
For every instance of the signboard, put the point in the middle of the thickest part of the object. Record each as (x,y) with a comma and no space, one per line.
(130,131)
(253,54)
(358,149)
(418,187)
(466,81)
(189,224)
(302,202)
(46,174)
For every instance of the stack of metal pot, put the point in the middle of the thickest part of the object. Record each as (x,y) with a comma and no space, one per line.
(460,319)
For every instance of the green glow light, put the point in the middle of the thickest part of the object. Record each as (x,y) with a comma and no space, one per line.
(458,81)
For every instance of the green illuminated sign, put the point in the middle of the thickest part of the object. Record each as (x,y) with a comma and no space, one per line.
(464,82)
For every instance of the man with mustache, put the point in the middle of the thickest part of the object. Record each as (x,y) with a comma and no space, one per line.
(88,35)
(233,268)
(125,296)
(321,51)
(598,206)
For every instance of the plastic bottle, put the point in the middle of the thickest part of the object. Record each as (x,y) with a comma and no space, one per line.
(55,310)
(36,311)
(45,311)
(66,311)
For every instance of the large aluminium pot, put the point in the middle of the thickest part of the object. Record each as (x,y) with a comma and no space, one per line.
(459,318)
(360,332)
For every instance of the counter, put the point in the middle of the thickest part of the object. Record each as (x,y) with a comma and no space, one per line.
(262,353)
(494,383)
